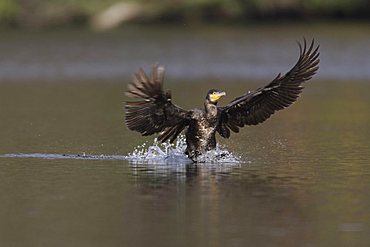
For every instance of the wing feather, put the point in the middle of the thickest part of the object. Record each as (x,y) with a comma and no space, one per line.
(154,111)
(255,107)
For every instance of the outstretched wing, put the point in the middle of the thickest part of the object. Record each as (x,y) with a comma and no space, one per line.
(255,107)
(153,112)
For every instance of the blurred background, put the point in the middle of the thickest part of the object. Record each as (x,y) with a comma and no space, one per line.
(303,179)
(42,13)
(199,38)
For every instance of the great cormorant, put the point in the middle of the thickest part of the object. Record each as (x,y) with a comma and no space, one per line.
(154,112)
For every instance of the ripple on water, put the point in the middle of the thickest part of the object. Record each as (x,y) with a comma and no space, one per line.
(156,153)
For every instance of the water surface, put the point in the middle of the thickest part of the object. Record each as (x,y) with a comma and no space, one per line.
(303,179)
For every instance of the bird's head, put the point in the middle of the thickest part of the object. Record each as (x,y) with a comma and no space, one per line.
(214,95)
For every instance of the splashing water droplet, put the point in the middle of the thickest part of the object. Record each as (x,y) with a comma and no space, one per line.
(166,153)
(157,153)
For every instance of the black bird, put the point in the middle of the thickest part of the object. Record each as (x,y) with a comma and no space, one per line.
(154,112)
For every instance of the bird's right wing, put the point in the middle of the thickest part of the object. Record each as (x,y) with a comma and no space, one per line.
(255,107)
(154,112)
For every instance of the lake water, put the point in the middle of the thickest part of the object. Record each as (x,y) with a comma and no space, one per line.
(303,178)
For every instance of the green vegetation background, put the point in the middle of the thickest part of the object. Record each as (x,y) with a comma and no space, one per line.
(41,13)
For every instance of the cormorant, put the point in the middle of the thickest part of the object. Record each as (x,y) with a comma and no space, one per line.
(154,112)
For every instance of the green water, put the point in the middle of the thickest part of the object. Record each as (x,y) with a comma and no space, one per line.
(304,179)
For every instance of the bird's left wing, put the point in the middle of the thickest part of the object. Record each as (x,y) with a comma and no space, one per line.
(154,111)
(255,107)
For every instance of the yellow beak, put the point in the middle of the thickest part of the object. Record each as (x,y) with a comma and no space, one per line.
(216,96)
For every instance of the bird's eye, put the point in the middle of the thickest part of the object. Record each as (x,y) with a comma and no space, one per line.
(214,93)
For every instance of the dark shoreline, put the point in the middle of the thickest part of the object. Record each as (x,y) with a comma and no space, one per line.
(53,14)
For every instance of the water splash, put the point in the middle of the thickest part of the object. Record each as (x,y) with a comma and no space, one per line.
(159,153)
(156,153)
(82,156)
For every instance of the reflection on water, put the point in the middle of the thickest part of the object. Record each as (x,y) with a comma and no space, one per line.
(303,176)
(303,179)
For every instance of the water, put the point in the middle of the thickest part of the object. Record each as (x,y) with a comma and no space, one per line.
(302,178)
(188,52)
(157,153)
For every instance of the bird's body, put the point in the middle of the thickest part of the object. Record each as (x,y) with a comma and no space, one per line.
(201,133)
(155,112)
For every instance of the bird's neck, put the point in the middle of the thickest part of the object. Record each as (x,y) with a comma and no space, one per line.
(210,107)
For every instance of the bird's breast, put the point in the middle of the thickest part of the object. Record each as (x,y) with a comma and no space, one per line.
(204,128)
